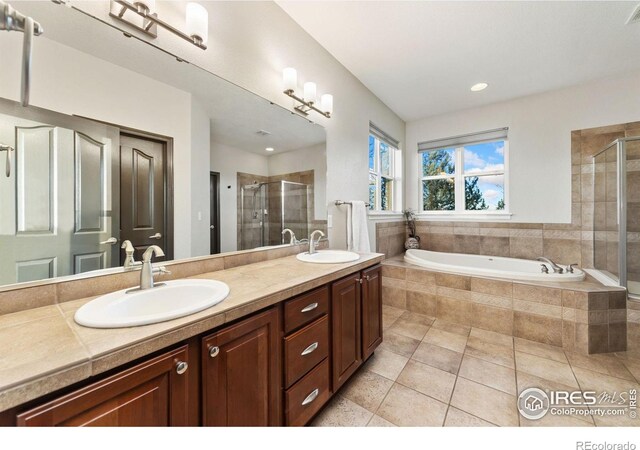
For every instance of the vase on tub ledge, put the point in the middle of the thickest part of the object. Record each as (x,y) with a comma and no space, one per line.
(413,241)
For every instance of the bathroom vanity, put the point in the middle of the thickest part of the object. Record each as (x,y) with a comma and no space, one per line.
(267,365)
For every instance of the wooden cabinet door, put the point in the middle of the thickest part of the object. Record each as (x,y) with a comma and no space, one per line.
(346,321)
(242,373)
(150,394)
(371,310)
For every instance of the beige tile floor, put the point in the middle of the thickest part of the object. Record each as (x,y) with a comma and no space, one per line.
(432,373)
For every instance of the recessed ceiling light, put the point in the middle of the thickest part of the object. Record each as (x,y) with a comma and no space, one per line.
(479,87)
(269,149)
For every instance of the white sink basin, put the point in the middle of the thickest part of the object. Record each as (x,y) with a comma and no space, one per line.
(328,257)
(168,301)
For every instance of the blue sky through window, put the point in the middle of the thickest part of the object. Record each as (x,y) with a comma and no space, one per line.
(485,157)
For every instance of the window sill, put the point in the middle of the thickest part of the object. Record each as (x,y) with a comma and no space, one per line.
(384,214)
(462,217)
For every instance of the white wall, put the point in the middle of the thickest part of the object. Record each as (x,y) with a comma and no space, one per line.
(229,161)
(539,140)
(200,160)
(309,158)
(250,43)
(72,82)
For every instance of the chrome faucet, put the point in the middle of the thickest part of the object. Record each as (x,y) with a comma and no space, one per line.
(292,236)
(556,268)
(146,275)
(129,260)
(314,243)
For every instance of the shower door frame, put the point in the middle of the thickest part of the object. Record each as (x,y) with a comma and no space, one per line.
(621,187)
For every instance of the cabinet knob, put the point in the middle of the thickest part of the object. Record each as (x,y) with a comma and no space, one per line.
(213,351)
(309,349)
(311,397)
(181,367)
(309,307)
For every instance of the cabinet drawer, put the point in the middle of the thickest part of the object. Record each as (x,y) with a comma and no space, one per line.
(305,348)
(302,310)
(308,395)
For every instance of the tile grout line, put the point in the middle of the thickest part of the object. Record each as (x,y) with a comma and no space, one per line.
(593,420)
(515,373)
(446,414)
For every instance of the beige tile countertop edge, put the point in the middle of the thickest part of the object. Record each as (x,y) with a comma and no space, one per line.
(253,287)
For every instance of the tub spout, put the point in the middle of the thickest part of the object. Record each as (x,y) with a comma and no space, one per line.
(556,268)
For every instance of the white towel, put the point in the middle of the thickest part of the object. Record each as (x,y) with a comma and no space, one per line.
(357,231)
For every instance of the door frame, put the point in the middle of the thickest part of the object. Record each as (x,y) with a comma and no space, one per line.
(216,217)
(167,141)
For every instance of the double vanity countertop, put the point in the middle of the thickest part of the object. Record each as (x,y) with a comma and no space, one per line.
(43,349)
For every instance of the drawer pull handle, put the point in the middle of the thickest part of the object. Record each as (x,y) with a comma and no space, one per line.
(311,397)
(181,367)
(213,351)
(309,307)
(309,349)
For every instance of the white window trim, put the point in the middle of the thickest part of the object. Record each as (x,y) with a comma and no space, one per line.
(460,213)
(395,177)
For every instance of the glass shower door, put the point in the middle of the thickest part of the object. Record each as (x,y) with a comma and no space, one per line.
(295,211)
(632,191)
(606,223)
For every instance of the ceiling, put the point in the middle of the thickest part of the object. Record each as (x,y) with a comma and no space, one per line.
(236,114)
(420,58)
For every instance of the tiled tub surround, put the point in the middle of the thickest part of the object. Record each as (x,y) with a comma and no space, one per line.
(585,317)
(43,350)
(390,237)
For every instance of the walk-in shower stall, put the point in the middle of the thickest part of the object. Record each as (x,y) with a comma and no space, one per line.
(270,207)
(616,213)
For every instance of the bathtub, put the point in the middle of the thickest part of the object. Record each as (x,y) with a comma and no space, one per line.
(487,266)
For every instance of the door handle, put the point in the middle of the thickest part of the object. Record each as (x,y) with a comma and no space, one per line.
(111,241)
(211,227)
(156,236)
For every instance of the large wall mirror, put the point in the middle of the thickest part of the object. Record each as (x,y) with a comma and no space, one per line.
(124,141)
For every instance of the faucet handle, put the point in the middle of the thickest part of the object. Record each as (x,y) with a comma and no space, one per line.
(570,267)
(161,270)
(544,269)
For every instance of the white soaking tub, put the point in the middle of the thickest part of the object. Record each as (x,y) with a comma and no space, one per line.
(488,266)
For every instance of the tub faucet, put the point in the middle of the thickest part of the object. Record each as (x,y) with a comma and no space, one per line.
(292,236)
(313,243)
(556,268)
(146,275)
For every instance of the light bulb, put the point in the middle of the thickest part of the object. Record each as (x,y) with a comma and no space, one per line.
(197,21)
(309,92)
(290,79)
(326,102)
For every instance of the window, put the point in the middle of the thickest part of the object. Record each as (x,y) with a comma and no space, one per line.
(385,167)
(465,174)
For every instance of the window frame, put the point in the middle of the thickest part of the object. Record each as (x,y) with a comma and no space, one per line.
(459,177)
(378,175)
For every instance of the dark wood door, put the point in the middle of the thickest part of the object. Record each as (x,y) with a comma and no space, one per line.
(371,310)
(242,373)
(142,194)
(214,219)
(346,321)
(150,394)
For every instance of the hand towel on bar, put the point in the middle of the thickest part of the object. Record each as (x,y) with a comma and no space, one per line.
(357,231)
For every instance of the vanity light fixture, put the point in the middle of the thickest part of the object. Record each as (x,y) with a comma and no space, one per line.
(309,94)
(197,20)
(479,87)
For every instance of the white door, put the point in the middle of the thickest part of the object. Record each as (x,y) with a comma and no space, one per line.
(58,208)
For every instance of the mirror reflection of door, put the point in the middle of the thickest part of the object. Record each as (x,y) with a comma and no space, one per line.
(59,216)
(143,175)
(214,211)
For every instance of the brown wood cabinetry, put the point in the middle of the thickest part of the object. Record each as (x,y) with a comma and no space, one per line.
(356,309)
(346,322)
(241,373)
(279,365)
(154,393)
(371,310)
